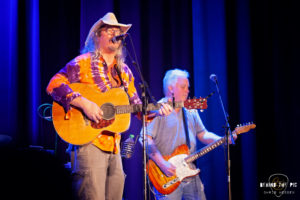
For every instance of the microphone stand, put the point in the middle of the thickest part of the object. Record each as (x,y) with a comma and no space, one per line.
(228,134)
(145,90)
(145,142)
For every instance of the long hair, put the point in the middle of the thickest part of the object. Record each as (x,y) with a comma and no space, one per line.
(92,46)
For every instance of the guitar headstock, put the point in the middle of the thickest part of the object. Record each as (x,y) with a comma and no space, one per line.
(244,128)
(200,103)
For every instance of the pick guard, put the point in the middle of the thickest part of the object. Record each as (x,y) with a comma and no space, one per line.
(183,169)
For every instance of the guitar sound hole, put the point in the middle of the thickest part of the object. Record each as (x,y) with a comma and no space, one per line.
(108,111)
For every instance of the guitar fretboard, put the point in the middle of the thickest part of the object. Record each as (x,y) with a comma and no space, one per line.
(205,150)
(122,109)
(208,148)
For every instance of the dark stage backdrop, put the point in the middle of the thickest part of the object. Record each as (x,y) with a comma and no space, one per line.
(252,46)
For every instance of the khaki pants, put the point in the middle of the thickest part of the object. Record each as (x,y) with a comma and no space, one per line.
(97,175)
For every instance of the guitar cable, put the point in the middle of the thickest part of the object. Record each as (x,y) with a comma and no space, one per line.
(42,109)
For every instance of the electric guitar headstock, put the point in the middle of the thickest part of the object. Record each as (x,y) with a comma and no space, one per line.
(244,128)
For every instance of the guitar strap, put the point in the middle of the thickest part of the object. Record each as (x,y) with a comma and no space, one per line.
(119,75)
(186,130)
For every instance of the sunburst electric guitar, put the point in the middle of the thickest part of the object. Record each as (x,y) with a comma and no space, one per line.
(75,128)
(180,158)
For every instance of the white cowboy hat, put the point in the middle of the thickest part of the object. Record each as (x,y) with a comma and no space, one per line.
(109,19)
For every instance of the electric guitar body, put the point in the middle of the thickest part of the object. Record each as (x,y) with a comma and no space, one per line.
(181,158)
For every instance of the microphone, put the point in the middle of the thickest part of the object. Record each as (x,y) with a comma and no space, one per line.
(128,147)
(214,78)
(119,37)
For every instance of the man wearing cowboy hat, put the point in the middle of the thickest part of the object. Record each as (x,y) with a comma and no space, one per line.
(97,166)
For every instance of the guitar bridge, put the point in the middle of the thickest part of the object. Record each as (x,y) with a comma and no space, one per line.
(168,184)
(102,123)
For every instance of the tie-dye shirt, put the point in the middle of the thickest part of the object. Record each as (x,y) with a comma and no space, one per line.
(91,68)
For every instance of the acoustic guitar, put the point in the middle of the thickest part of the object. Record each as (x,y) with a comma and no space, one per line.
(75,128)
(180,158)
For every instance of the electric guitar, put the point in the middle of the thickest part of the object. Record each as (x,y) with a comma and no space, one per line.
(180,158)
(75,128)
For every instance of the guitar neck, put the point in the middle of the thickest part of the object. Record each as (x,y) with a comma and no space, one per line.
(205,150)
(208,148)
(138,107)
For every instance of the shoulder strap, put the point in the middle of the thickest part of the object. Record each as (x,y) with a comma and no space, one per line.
(186,130)
(120,77)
